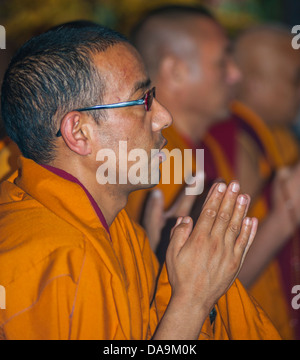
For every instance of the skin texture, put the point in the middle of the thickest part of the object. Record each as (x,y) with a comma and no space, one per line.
(221,238)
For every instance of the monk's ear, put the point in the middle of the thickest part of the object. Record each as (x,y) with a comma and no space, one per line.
(75,133)
(174,70)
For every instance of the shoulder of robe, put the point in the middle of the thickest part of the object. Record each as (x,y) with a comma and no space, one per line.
(32,236)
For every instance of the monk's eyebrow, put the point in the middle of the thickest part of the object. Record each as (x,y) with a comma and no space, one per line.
(141,85)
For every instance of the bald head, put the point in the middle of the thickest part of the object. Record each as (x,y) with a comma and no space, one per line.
(169,30)
(271,73)
(186,53)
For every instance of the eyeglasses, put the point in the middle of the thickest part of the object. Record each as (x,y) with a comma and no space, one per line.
(146,100)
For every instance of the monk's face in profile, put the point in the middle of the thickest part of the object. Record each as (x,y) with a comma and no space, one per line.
(126,80)
(213,74)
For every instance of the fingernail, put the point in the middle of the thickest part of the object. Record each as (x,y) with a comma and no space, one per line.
(157,194)
(242,200)
(222,188)
(186,220)
(235,187)
(248,221)
(179,221)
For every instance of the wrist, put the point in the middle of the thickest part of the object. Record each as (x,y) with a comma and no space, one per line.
(197,306)
(180,321)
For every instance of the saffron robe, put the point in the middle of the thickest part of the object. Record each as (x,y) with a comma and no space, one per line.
(67,276)
(277,148)
(9,154)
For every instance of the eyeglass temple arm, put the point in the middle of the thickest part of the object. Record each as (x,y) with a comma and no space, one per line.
(113,106)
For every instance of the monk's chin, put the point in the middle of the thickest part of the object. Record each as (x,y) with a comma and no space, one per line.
(143,186)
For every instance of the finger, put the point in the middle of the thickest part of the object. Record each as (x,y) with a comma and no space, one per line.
(184,203)
(210,210)
(180,234)
(226,210)
(236,221)
(248,204)
(211,191)
(178,222)
(245,238)
(252,237)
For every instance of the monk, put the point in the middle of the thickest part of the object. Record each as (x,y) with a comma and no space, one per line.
(268,100)
(73,264)
(189,86)
(258,150)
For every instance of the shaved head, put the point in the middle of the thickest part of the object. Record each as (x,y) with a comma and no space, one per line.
(185,51)
(169,30)
(271,72)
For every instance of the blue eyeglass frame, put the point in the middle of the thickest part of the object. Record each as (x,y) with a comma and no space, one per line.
(147,100)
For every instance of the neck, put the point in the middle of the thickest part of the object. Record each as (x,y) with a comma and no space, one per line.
(190,127)
(190,124)
(107,197)
(256,109)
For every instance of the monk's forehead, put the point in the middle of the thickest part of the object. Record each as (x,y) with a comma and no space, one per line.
(121,67)
(261,49)
(207,29)
(207,34)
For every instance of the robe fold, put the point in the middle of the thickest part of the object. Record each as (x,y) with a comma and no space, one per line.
(67,276)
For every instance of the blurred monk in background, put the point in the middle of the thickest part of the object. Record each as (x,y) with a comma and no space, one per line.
(188,56)
(261,143)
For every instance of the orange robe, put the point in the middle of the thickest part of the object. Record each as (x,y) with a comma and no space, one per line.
(278,149)
(9,153)
(67,276)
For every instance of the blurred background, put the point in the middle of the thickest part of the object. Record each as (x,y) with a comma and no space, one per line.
(24,18)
